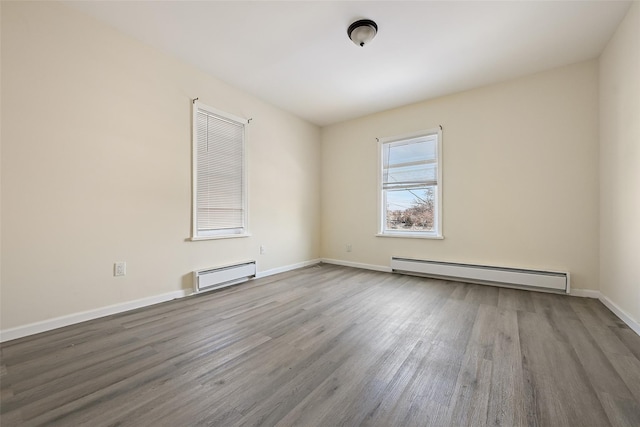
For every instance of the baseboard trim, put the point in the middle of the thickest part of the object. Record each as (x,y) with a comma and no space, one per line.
(584,293)
(83,316)
(615,309)
(624,316)
(59,322)
(72,319)
(357,265)
(286,268)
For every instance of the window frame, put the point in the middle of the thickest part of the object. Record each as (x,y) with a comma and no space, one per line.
(381,201)
(242,231)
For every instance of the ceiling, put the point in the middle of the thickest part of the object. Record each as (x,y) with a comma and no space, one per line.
(296,54)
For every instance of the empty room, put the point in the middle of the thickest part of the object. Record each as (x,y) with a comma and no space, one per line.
(320,213)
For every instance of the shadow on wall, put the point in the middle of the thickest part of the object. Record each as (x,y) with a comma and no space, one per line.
(187,283)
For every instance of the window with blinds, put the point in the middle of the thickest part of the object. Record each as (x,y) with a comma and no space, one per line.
(219,177)
(410,185)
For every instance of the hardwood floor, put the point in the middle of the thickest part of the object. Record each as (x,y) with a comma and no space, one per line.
(328,346)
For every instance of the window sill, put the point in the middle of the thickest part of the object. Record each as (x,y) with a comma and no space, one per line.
(412,235)
(225,236)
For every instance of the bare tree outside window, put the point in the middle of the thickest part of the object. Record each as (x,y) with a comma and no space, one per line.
(410,185)
(419,216)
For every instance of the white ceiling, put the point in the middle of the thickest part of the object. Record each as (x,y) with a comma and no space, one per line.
(296,54)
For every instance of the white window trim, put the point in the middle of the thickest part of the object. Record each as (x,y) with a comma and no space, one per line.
(217,234)
(437,233)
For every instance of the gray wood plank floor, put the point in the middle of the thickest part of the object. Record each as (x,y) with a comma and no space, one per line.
(328,346)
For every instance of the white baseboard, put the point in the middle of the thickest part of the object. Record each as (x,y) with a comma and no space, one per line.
(584,293)
(59,322)
(286,268)
(624,316)
(71,319)
(357,265)
(83,316)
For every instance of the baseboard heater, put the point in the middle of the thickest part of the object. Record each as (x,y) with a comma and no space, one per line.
(219,277)
(499,276)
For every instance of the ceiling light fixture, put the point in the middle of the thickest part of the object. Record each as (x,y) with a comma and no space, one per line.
(362,32)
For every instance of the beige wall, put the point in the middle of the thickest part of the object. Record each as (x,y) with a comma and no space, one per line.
(520,177)
(620,166)
(96,168)
(95,157)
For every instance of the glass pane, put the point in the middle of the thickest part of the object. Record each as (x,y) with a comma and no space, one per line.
(410,163)
(418,175)
(410,151)
(410,210)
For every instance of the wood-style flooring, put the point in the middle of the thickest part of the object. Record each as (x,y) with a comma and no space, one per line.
(333,346)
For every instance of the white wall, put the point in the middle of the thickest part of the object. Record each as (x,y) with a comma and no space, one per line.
(520,177)
(620,166)
(96,168)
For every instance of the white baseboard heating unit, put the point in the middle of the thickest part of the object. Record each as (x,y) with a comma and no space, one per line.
(498,276)
(219,277)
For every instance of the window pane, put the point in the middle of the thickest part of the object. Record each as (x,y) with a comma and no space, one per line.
(410,209)
(408,151)
(411,175)
(410,163)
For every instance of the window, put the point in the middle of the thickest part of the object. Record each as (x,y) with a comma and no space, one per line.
(410,185)
(219,174)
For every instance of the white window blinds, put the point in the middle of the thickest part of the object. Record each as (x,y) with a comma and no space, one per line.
(219,181)
(410,163)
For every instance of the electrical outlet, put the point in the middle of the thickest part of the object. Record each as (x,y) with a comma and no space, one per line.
(348,247)
(262,250)
(120,269)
